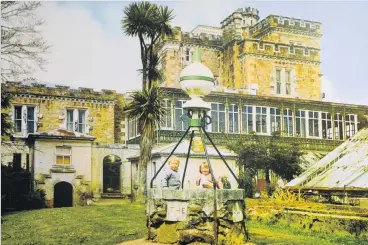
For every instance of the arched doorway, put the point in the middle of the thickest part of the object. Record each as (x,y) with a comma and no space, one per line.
(111,174)
(63,195)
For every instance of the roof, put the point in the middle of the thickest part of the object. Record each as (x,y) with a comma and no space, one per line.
(182,150)
(62,134)
(344,167)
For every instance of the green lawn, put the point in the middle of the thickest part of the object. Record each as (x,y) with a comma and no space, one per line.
(108,224)
(262,234)
(112,223)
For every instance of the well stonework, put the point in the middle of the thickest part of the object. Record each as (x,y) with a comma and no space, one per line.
(187,216)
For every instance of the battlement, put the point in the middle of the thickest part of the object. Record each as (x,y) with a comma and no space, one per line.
(40,89)
(200,39)
(247,10)
(240,14)
(280,50)
(306,27)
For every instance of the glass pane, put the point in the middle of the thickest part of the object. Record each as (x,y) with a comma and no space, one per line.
(18,112)
(221,107)
(178,121)
(214,116)
(236,123)
(66,160)
(69,115)
(59,160)
(81,116)
(30,127)
(222,121)
(30,113)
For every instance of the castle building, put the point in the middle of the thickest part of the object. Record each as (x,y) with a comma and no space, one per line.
(268,79)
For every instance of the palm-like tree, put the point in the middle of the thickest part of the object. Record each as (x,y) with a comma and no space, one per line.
(146,106)
(148,22)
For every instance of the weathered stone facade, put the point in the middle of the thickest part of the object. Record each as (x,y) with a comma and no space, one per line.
(65,135)
(190,216)
(277,56)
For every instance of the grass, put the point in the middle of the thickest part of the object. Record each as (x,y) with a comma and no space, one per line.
(108,224)
(115,222)
(262,234)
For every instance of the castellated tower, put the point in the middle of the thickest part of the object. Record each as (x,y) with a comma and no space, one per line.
(277,56)
(239,21)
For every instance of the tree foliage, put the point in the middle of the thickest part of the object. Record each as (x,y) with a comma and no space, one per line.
(146,106)
(267,154)
(149,22)
(22,45)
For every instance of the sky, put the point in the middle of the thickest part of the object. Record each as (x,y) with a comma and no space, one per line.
(89,48)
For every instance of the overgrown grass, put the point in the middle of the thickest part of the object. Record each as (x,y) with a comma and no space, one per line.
(109,224)
(261,234)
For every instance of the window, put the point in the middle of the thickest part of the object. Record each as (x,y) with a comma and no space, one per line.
(18,118)
(301,125)
(278,82)
(313,123)
(179,114)
(76,120)
(27,115)
(247,119)
(187,55)
(218,117)
(233,119)
(350,125)
(275,119)
(261,119)
(288,122)
(132,128)
(339,131)
(287,83)
(326,125)
(63,155)
(166,120)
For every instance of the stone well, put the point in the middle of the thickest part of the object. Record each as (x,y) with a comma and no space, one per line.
(187,216)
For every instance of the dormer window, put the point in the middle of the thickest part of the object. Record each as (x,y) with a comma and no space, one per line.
(76,120)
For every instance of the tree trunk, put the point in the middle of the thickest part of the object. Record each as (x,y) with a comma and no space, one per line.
(268,181)
(146,145)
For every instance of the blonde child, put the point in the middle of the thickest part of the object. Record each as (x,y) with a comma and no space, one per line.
(204,180)
(171,178)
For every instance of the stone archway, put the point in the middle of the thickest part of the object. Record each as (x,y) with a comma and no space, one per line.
(111,174)
(63,195)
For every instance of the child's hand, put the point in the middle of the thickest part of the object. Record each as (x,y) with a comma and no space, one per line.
(198,179)
(208,185)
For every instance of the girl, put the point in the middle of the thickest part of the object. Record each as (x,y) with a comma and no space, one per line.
(204,180)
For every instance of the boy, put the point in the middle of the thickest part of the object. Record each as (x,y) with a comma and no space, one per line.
(171,178)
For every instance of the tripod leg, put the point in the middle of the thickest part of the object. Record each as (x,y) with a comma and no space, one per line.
(186,162)
(176,146)
(218,152)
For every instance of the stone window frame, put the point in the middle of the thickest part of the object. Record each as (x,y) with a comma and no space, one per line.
(283,81)
(76,116)
(24,126)
(63,155)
